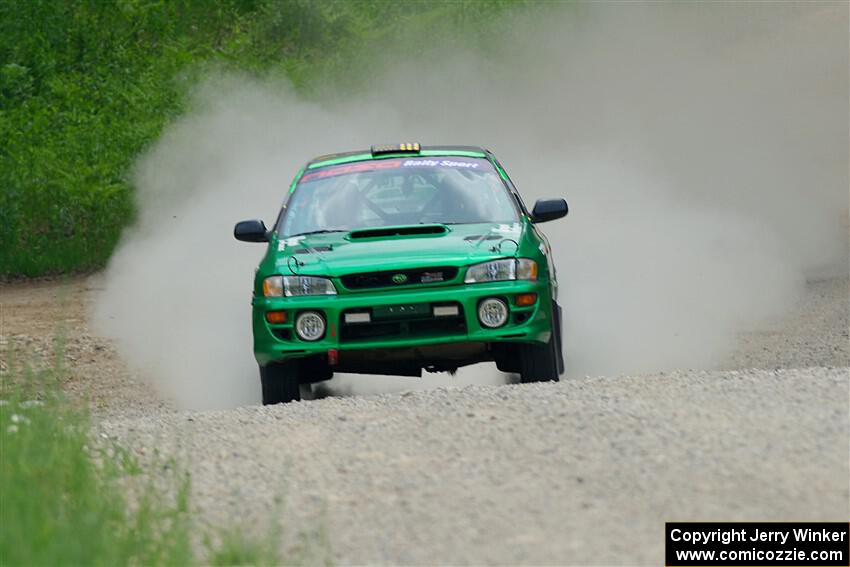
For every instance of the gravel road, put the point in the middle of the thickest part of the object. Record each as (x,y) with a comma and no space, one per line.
(585,471)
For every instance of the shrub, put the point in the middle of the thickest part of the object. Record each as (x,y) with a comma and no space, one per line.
(86,85)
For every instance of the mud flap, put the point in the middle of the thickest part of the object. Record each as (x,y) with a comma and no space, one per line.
(558,338)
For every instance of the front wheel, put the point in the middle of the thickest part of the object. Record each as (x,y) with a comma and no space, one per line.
(543,363)
(280,383)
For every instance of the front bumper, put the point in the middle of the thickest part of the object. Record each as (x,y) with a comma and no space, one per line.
(525,323)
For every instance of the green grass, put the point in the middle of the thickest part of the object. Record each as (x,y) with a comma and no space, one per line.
(86,85)
(62,503)
(235,549)
(63,498)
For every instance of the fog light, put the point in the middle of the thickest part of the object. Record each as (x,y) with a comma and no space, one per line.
(310,326)
(276,317)
(525,299)
(492,312)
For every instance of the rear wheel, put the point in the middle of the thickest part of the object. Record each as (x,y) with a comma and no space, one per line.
(280,382)
(543,363)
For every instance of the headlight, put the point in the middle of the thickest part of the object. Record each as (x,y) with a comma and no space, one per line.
(501,270)
(526,269)
(278,286)
(273,286)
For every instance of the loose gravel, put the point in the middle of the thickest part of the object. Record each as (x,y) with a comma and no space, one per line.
(585,471)
(817,334)
(579,472)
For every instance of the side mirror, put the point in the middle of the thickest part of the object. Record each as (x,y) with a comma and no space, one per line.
(549,209)
(251,231)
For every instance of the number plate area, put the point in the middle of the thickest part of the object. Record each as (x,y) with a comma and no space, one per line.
(405,311)
(404,320)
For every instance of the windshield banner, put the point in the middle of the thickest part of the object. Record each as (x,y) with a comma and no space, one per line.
(451,162)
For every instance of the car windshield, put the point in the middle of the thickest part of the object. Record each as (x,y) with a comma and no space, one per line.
(400,191)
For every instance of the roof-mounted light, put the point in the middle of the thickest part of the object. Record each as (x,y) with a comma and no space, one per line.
(408,148)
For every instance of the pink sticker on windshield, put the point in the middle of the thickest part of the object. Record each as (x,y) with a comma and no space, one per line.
(356,167)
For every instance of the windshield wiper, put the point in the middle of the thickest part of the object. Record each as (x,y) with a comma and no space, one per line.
(321,231)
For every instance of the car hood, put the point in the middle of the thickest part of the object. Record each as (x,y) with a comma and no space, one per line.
(340,253)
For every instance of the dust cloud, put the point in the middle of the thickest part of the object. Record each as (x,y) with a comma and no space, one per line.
(703,149)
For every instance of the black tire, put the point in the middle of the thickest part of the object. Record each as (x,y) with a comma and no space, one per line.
(280,383)
(543,363)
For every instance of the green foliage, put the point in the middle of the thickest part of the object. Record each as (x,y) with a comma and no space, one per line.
(85,85)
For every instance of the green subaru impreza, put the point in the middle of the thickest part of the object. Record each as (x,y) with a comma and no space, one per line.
(400,259)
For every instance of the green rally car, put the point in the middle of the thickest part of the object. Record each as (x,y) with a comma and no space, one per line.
(400,259)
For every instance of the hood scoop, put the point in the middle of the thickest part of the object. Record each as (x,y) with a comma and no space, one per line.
(392,231)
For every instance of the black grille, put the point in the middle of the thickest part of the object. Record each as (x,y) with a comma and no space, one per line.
(399,278)
(410,326)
